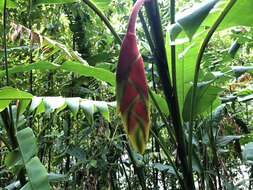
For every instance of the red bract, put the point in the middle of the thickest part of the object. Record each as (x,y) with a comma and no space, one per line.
(132,88)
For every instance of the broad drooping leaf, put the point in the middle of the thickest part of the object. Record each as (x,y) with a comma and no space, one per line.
(206,94)
(201,17)
(70,66)
(37,175)
(240,15)
(36,172)
(52,104)
(190,20)
(27,144)
(187,51)
(8,93)
(132,88)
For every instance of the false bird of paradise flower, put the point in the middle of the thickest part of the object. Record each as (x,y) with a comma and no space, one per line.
(132,89)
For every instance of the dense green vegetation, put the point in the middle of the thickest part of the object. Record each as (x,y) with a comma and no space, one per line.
(63,126)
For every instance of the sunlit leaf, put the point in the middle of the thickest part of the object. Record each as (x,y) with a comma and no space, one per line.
(9,93)
(239,15)
(89,71)
(10,4)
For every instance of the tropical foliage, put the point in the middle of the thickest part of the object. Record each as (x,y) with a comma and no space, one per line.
(111,94)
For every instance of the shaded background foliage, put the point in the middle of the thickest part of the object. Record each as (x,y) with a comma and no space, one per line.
(80,143)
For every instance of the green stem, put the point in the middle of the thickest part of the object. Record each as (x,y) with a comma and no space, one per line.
(103,18)
(197,70)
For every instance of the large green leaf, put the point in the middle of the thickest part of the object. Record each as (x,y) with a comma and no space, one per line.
(187,50)
(205,96)
(36,172)
(21,107)
(37,175)
(27,144)
(13,161)
(89,71)
(70,66)
(40,65)
(77,68)
(191,19)
(4,104)
(185,66)
(7,94)
(240,15)
(53,177)
(162,104)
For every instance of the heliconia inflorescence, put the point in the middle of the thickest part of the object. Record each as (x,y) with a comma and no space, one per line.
(132,88)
